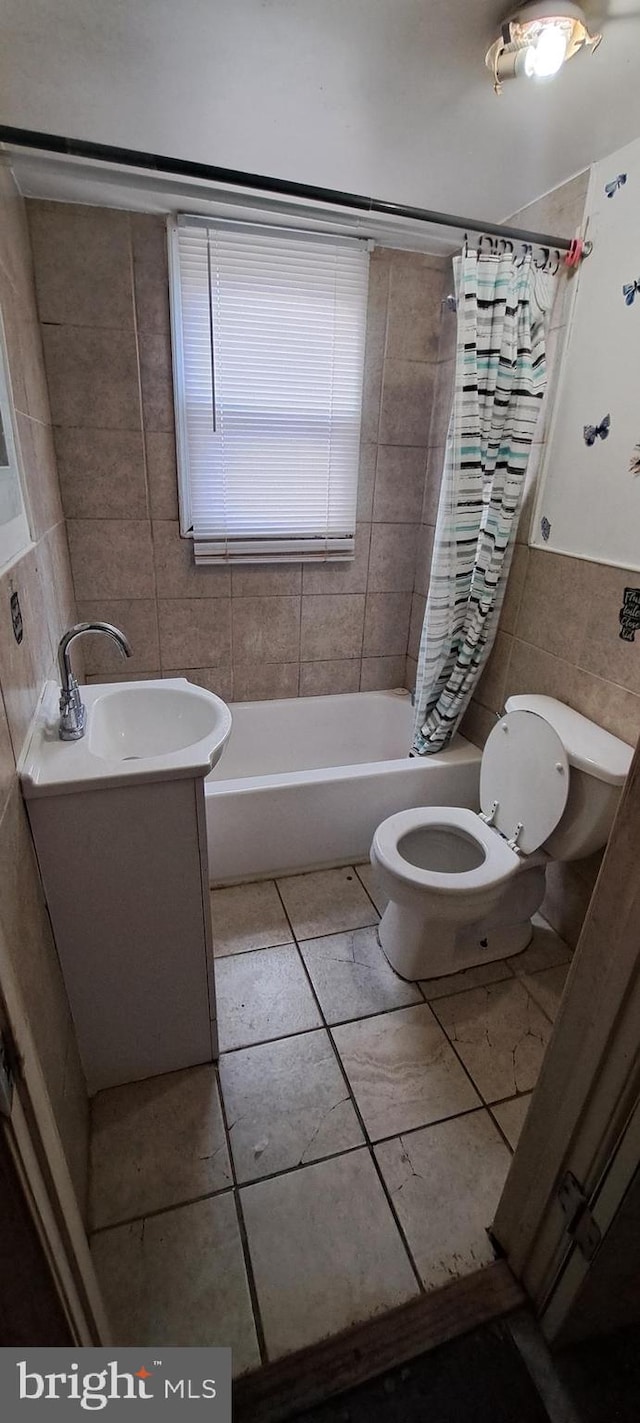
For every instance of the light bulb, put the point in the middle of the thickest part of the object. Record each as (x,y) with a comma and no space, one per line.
(548,54)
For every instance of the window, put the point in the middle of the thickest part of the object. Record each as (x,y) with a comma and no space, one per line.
(268,336)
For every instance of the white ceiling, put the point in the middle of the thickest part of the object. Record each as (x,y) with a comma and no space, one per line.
(389,98)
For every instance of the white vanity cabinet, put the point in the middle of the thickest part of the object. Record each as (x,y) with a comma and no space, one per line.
(123,859)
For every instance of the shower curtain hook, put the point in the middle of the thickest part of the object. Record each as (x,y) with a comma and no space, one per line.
(541,266)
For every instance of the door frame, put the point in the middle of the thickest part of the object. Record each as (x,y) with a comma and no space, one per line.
(589,1086)
(35,1146)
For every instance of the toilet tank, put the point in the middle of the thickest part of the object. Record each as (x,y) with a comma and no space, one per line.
(598,764)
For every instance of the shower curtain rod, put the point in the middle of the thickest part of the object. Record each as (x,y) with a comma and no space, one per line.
(279,187)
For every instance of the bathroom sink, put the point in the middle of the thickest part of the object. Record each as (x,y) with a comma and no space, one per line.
(135,722)
(136,731)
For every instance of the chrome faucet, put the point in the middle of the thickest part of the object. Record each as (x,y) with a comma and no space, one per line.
(73,713)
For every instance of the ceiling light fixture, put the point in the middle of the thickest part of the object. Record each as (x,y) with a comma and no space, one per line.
(536,40)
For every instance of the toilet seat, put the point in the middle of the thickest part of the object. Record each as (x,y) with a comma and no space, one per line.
(499,862)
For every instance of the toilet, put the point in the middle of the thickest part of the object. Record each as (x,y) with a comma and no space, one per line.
(462,884)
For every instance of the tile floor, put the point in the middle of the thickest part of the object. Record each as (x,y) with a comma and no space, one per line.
(348,1150)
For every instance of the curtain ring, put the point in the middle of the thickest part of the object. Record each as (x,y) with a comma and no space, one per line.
(557,266)
(484,237)
(506,245)
(540,266)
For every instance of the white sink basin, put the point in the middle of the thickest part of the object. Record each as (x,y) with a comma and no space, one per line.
(136,731)
(141,721)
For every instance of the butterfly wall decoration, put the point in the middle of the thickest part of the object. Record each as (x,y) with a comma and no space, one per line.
(612,187)
(634,462)
(597,432)
(545,528)
(630,291)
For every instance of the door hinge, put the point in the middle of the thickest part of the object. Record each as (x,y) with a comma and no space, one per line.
(581,1225)
(9,1070)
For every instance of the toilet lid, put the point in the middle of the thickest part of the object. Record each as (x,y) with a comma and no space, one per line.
(525,769)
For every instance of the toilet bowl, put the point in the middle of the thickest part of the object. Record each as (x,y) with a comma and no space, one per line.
(463,885)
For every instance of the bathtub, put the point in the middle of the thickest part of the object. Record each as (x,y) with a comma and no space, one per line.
(303,783)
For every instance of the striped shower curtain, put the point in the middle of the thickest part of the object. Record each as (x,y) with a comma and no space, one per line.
(499,384)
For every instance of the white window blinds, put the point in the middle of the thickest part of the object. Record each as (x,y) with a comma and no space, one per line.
(268,335)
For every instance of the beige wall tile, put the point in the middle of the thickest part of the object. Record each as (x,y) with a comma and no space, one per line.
(413,324)
(27,940)
(82,258)
(374,349)
(266,629)
(553,611)
(162,475)
(399,487)
(40,473)
(153,675)
(418,608)
(529,493)
(321,679)
(491,687)
(55,568)
(253,683)
(176,573)
(532,669)
(111,558)
(386,624)
(24,666)
(566,901)
(156,380)
(449,327)
(410,673)
(392,559)
(331,626)
(442,403)
(610,706)
(366,480)
(601,649)
(424,556)
(102,473)
(405,411)
(137,618)
(348,577)
(195,632)
(477,722)
(263,580)
(15,248)
(93,377)
(151,271)
(24,348)
(7,758)
(214,679)
(381,673)
(42,580)
(435,467)
(514,588)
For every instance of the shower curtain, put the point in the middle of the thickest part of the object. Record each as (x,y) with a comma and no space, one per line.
(499,384)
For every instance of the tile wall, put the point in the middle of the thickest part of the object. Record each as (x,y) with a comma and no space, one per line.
(247,633)
(559,627)
(42,580)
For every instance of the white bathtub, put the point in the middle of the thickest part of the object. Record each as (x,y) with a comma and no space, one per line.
(303,783)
